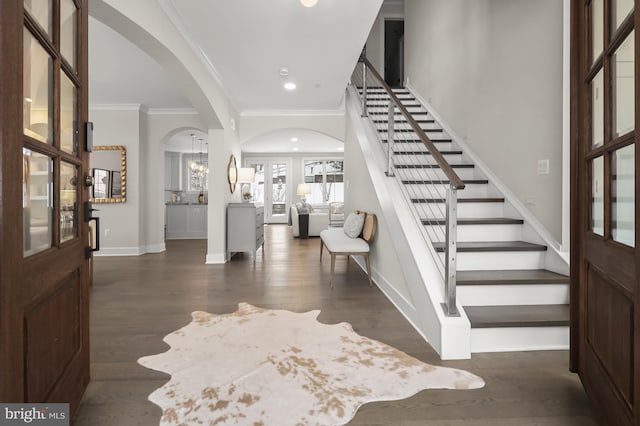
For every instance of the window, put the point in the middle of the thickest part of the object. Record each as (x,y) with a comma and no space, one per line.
(326,178)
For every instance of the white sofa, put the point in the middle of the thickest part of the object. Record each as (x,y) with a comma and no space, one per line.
(317,222)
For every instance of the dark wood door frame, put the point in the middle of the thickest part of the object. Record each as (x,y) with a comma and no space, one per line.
(41,359)
(605,296)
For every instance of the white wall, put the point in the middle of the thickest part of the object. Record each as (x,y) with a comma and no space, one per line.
(121,223)
(492,69)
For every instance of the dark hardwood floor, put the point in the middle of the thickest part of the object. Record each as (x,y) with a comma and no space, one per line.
(136,301)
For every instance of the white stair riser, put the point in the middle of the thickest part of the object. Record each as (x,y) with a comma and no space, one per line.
(417,147)
(465,210)
(513,294)
(434,174)
(476,233)
(519,339)
(426,158)
(471,190)
(490,261)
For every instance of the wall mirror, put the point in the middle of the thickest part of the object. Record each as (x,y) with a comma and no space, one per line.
(109,171)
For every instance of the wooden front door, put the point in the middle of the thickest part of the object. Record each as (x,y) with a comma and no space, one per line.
(605,342)
(44,270)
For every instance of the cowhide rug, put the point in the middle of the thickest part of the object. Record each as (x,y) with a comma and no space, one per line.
(275,367)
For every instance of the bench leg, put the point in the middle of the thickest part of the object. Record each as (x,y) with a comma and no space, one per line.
(366,258)
(333,268)
(321,248)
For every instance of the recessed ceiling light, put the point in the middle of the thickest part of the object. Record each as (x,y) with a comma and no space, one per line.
(290,86)
(295,148)
(309,3)
(341,149)
(294,139)
(284,71)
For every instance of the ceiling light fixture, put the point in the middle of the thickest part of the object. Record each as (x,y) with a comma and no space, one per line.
(294,139)
(284,72)
(290,86)
(308,3)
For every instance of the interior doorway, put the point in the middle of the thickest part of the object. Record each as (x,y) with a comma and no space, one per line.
(394,52)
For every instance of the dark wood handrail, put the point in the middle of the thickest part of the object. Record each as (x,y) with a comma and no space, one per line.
(453,177)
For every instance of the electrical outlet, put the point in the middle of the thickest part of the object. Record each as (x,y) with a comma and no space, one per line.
(543,167)
(107,232)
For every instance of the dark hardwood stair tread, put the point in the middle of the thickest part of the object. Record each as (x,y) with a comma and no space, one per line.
(443,181)
(493,246)
(477,221)
(419,120)
(460,200)
(433,140)
(506,277)
(454,152)
(518,316)
(432,166)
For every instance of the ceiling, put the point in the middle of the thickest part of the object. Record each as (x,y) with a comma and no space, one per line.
(246,44)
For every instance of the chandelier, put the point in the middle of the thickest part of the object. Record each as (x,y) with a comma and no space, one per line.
(198,168)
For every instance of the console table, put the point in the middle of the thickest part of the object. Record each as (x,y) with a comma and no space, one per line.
(245,228)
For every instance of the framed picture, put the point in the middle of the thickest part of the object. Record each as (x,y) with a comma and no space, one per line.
(101,183)
(116,184)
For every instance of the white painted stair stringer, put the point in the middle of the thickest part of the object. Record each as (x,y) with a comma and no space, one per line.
(449,336)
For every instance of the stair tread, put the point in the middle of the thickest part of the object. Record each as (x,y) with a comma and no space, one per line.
(493,246)
(504,277)
(432,166)
(477,221)
(518,316)
(460,200)
(443,181)
(443,152)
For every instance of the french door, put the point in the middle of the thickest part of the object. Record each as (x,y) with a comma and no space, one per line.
(44,267)
(272,187)
(605,341)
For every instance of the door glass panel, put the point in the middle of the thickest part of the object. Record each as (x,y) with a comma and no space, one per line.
(68,202)
(597,196)
(68,31)
(42,12)
(279,200)
(597,110)
(313,176)
(624,87)
(620,9)
(623,208)
(68,114)
(597,28)
(37,201)
(37,105)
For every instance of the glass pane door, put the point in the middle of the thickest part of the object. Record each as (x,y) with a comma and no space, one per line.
(272,188)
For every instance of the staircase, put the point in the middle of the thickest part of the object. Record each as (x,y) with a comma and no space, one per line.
(511,301)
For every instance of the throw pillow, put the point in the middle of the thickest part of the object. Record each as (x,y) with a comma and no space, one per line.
(353,225)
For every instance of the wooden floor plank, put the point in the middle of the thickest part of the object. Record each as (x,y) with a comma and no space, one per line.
(136,301)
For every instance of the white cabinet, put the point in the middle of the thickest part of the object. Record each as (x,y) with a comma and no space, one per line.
(172,171)
(245,228)
(186,221)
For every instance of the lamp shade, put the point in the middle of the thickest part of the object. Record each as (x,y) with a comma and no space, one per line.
(303,189)
(246,175)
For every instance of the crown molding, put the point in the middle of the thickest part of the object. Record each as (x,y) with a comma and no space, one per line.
(117,107)
(172,111)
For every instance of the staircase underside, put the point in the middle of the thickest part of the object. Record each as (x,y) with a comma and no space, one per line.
(511,300)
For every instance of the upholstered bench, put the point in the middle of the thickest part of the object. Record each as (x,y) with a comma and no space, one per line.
(340,240)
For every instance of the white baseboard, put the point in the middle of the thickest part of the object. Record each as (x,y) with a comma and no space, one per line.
(216,259)
(119,251)
(130,251)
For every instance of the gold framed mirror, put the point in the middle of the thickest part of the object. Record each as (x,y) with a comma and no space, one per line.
(109,172)
(232,173)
